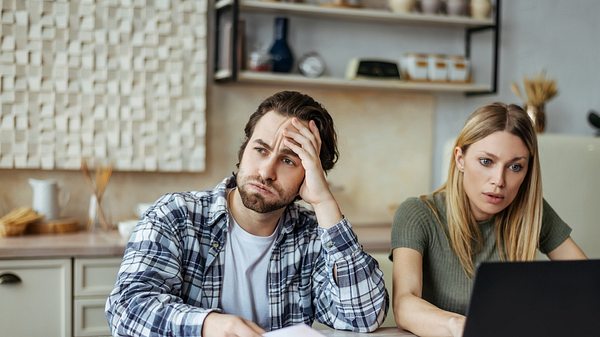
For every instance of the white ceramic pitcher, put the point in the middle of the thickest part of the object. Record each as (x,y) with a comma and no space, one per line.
(48,199)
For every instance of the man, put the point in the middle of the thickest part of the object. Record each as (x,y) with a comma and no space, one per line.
(244,258)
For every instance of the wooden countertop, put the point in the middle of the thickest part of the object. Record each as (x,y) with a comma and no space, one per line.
(80,244)
(373,237)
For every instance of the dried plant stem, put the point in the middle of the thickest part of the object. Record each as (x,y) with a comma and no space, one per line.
(98,185)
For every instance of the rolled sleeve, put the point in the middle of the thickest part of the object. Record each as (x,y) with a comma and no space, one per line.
(339,240)
(356,299)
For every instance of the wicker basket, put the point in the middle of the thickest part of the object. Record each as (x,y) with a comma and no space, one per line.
(15,222)
(12,229)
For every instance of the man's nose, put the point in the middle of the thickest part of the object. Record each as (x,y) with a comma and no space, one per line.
(267,169)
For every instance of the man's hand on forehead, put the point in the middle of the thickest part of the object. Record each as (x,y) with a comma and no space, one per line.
(288,125)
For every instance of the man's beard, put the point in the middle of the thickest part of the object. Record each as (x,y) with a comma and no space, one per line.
(257,202)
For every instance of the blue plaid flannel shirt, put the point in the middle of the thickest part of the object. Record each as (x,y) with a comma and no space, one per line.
(171,276)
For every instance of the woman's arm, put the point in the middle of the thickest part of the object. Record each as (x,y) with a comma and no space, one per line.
(568,250)
(411,311)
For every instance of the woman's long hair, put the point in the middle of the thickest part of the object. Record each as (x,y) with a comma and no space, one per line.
(518,225)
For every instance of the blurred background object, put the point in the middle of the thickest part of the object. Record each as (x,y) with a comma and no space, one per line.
(594,119)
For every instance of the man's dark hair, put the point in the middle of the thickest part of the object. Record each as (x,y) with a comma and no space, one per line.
(303,107)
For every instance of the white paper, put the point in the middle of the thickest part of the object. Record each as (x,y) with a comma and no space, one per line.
(299,330)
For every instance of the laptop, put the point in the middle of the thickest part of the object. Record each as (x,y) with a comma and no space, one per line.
(535,299)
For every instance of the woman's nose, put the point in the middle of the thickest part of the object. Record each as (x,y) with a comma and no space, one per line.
(498,178)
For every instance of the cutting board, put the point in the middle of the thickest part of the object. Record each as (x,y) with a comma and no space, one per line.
(56,226)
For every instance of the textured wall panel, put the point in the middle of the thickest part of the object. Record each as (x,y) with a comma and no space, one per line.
(123,80)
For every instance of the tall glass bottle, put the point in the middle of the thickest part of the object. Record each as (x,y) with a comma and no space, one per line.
(281,54)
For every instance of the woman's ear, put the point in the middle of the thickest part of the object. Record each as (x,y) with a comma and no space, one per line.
(459,159)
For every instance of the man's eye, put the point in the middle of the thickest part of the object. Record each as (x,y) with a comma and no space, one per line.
(485,161)
(289,162)
(260,150)
(515,167)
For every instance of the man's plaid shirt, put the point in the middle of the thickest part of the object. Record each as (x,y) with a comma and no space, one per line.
(171,276)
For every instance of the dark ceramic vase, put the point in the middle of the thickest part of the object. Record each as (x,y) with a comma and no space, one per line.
(281,54)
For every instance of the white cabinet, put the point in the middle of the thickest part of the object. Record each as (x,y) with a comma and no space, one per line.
(93,279)
(35,298)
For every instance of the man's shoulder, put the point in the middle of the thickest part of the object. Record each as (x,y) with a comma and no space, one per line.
(190,200)
(198,206)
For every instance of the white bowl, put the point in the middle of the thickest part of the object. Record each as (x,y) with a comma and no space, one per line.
(141,208)
(126,227)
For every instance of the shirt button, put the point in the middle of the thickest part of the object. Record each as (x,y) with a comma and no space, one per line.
(329,244)
(215,244)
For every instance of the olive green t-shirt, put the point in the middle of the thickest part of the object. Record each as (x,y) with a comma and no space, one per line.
(445,284)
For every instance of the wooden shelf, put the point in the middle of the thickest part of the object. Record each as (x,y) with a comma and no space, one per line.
(470,25)
(341,83)
(356,13)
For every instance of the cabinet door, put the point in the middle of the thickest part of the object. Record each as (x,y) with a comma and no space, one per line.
(38,300)
(94,279)
(89,318)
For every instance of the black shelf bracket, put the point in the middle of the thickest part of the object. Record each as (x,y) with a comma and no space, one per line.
(226,14)
(495,53)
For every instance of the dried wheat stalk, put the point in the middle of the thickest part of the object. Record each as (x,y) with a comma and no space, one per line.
(99,184)
(538,90)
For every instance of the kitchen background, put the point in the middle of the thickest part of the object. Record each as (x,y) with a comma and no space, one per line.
(391,142)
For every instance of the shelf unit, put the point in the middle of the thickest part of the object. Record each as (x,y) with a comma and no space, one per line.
(472,26)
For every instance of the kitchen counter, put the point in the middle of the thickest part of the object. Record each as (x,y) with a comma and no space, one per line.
(80,244)
(373,237)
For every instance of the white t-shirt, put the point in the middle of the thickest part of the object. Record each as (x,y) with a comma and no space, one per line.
(247,259)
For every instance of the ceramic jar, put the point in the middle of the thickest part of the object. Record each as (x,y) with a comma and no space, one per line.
(402,6)
(537,113)
(46,195)
(481,9)
(431,6)
(456,7)
(414,67)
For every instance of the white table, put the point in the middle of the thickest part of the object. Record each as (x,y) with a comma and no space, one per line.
(382,332)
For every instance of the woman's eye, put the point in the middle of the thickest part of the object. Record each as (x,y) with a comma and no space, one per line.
(515,167)
(485,161)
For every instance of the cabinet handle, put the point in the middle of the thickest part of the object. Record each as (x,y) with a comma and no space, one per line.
(9,278)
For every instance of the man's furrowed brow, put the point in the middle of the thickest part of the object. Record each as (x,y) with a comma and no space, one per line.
(284,150)
(263,144)
(288,152)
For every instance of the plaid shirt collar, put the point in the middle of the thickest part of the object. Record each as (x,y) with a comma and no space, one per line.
(219,209)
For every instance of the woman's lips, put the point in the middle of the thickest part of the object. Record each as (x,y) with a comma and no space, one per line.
(493,198)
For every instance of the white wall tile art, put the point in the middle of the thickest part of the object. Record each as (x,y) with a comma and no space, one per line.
(123,80)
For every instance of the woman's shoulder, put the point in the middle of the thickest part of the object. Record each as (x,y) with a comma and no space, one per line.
(434,201)
(422,207)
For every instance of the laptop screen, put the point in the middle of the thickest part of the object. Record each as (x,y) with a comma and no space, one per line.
(535,299)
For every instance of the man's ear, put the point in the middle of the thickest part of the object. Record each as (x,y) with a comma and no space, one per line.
(459,159)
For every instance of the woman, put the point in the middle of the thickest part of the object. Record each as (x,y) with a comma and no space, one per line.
(489,209)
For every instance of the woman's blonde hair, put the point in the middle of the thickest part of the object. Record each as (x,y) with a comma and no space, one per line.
(518,225)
